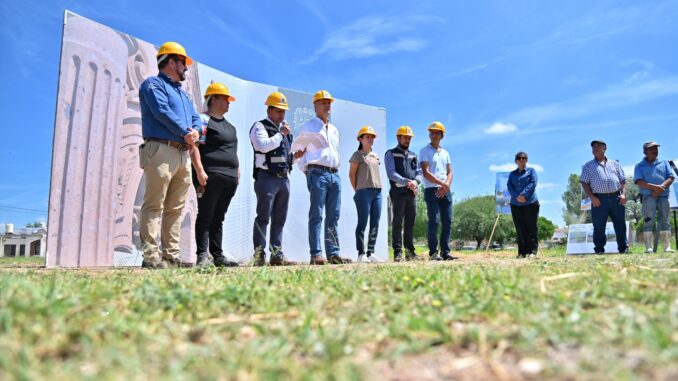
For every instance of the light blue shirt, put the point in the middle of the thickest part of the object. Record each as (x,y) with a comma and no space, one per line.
(437,163)
(654,173)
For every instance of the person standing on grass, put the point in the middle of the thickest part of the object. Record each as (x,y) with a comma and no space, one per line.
(404,176)
(436,167)
(366,182)
(170,125)
(271,140)
(521,184)
(321,167)
(604,182)
(216,175)
(654,178)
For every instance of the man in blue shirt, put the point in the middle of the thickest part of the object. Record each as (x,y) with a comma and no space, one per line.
(436,168)
(604,182)
(654,178)
(170,126)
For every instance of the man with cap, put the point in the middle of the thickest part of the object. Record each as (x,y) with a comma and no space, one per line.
(170,125)
(216,175)
(271,140)
(321,166)
(404,175)
(604,182)
(654,178)
(436,167)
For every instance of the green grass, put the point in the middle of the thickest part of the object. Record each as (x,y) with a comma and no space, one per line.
(488,316)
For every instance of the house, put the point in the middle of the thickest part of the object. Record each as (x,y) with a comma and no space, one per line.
(25,242)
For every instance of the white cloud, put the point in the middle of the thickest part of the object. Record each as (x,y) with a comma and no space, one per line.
(547,186)
(374,36)
(508,167)
(555,202)
(501,128)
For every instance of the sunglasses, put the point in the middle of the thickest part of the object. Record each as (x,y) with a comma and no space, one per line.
(521,158)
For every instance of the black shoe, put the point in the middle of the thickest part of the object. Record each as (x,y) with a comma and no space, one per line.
(448,257)
(397,257)
(411,256)
(337,260)
(435,257)
(259,257)
(153,264)
(222,261)
(203,260)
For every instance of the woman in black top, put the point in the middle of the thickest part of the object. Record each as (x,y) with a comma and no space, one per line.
(216,175)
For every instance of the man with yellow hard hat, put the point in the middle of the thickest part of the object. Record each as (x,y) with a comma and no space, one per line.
(216,175)
(170,125)
(436,168)
(271,140)
(404,175)
(321,166)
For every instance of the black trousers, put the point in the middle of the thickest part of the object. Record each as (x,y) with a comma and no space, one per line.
(212,207)
(525,221)
(404,209)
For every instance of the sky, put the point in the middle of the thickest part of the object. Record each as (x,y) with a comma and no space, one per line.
(544,77)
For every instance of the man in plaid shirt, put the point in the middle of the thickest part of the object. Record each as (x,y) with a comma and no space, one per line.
(604,182)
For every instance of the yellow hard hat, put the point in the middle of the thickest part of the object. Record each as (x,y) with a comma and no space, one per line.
(173,48)
(277,100)
(436,126)
(322,94)
(366,130)
(218,88)
(405,131)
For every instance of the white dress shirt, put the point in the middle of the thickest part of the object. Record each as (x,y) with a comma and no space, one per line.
(262,143)
(327,156)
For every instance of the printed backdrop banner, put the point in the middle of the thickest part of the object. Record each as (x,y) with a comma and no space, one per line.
(580,239)
(97,186)
(501,193)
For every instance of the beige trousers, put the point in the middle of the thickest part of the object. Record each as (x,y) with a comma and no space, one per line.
(167,172)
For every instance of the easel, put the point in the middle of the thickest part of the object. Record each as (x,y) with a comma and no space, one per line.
(489,241)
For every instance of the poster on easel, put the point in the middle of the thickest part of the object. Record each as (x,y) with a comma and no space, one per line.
(580,239)
(501,194)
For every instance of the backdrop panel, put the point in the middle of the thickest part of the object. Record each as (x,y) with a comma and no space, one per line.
(96,186)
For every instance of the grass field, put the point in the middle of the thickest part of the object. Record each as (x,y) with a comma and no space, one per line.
(487,316)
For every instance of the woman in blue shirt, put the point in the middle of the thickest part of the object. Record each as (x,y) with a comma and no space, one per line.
(524,206)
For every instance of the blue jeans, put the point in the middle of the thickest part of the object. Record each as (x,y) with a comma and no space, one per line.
(325,189)
(609,207)
(368,204)
(434,206)
(653,207)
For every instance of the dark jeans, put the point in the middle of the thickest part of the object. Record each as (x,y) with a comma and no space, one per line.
(212,207)
(273,196)
(435,206)
(325,190)
(525,220)
(404,209)
(368,204)
(609,207)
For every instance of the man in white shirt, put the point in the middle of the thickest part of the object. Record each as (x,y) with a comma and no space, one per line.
(321,166)
(271,140)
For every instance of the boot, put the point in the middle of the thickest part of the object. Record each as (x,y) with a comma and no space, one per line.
(666,241)
(648,238)
(259,258)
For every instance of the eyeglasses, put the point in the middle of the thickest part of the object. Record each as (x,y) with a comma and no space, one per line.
(521,158)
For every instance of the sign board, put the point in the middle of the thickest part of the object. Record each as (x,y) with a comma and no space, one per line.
(580,239)
(501,193)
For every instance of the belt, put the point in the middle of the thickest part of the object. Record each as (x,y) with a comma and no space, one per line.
(280,175)
(322,168)
(171,143)
(617,193)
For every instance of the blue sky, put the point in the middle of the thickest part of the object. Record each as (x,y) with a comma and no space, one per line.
(540,76)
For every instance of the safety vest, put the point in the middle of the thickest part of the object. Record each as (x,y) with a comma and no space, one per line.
(278,160)
(405,166)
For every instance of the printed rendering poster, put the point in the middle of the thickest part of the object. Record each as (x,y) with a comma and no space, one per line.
(580,239)
(502,195)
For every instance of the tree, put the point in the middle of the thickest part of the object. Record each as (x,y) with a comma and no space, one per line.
(572,213)
(473,219)
(546,228)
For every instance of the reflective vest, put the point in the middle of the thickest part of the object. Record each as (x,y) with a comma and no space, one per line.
(405,166)
(278,160)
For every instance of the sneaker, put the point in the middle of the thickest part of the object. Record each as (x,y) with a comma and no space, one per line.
(397,257)
(435,257)
(224,261)
(204,260)
(412,256)
(362,258)
(259,258)
(649,251)
(337,260)
(153,264)
(317,260)
(521,256)
(374,259)
(531,256)
(448,257)
(280,260)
